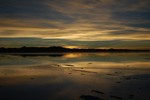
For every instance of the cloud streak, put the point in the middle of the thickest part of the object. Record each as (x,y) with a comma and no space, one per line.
(77,20)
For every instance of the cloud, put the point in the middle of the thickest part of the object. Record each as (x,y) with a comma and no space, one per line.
(78,20)
(19,42)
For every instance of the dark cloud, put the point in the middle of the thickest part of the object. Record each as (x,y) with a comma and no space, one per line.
(95,20)
(33,9)
(19,42)
(137,15)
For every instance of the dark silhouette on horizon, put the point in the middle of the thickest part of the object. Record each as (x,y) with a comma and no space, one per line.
(62,49)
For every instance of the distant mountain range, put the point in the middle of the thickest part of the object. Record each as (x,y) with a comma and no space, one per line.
(62,49)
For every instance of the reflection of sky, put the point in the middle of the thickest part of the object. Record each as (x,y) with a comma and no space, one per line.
(54,85)
(46,83)
(134,87)
(44,79)
(75,58)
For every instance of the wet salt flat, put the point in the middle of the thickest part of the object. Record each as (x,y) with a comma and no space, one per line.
(75,76)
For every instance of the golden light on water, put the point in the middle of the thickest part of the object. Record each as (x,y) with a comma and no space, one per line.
(72,55)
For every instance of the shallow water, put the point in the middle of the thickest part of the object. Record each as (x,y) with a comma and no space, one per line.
(75,76)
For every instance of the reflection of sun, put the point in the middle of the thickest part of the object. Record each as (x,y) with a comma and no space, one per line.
(72,55)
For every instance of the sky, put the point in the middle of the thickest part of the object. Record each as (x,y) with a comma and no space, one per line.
(75,23)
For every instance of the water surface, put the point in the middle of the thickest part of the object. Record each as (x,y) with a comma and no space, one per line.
(75,76)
